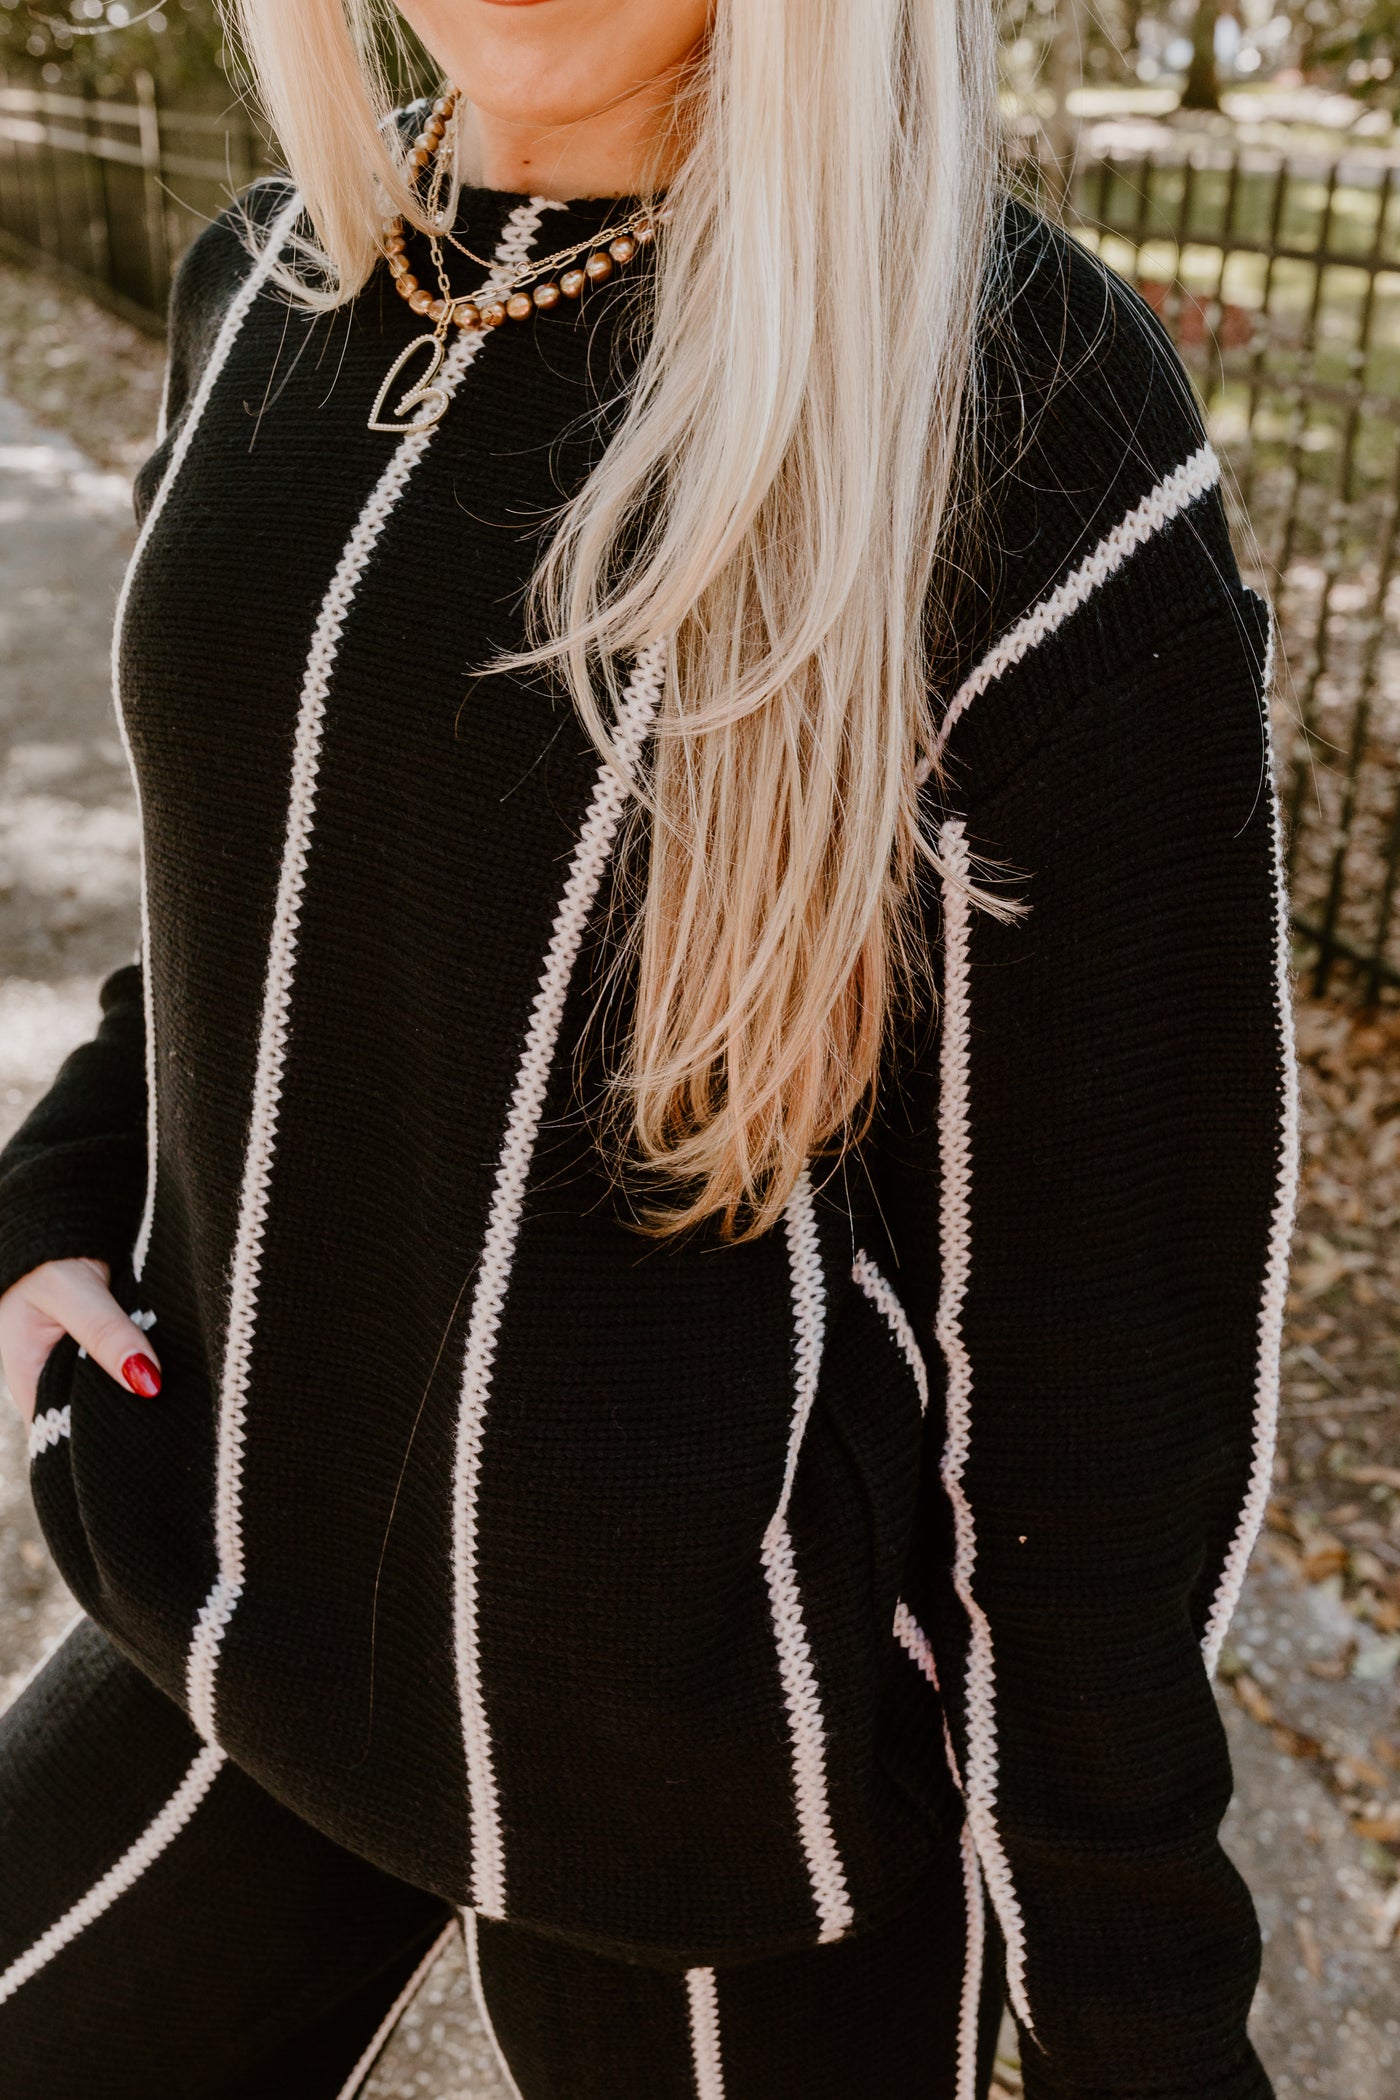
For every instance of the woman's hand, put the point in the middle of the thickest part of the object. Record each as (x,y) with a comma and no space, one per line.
(70,1297)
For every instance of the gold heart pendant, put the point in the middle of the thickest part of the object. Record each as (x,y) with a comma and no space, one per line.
(432,399)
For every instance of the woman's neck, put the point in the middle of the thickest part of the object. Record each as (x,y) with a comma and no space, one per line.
(628,147)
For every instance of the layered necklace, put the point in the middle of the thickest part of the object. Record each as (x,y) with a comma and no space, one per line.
(535,288)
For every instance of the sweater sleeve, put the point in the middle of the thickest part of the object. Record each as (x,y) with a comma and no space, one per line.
(1090,1202)
(207,278)
(72,1178)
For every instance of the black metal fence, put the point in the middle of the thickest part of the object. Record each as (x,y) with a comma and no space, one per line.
(1277,274)
(1279,278)
(110,193)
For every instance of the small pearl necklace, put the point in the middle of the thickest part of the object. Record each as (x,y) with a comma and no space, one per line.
(534,289)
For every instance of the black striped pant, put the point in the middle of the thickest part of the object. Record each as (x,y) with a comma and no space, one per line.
(230,1952)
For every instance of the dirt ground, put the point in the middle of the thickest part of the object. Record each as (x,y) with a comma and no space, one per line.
(1309,1685)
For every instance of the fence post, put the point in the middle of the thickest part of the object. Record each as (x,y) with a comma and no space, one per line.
(46,228)
(99,230)
(6,164)
(156,246)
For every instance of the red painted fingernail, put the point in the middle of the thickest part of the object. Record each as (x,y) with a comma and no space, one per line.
(142,1376)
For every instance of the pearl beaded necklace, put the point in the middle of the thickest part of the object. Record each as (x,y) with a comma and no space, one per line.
(533,289)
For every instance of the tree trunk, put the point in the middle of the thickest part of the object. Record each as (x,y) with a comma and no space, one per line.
(1202,89)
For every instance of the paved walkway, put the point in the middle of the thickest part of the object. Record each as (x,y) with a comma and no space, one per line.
(67,856)
(1328,2016)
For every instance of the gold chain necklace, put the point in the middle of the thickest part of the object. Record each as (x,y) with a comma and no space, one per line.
(534,288)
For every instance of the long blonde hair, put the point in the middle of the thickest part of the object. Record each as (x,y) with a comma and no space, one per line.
(774,501)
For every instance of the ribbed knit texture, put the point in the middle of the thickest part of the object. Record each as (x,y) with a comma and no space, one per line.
(603,1586)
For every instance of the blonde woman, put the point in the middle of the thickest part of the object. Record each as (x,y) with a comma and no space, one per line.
(651,1326)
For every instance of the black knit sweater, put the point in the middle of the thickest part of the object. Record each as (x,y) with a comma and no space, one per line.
(608,1586)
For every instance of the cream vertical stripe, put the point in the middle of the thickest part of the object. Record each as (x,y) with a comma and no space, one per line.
(974,1956)
(126,1872)
(233,320)
(955,1241)
(611,791)
(1275,1290)
(706,2057)
(881,1295)
(483,2010)
(920,1651)
(918,1647)
(801,1694)
(246,1270)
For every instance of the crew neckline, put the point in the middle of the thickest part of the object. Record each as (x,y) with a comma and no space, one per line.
(494,203)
